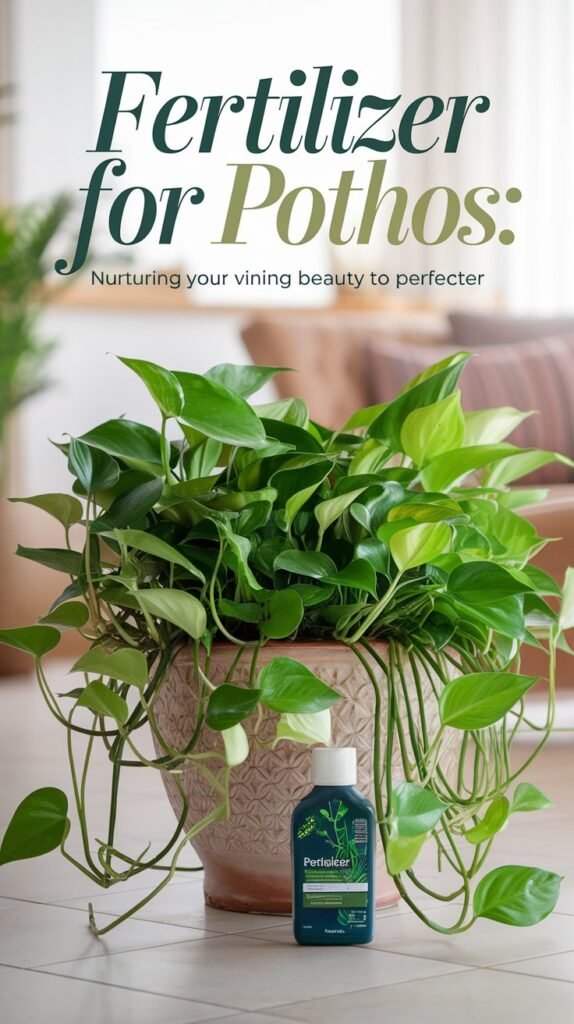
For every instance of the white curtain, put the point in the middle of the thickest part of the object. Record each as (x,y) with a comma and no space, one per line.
(521,54)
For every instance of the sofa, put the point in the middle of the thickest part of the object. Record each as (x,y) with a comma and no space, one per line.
(349,360)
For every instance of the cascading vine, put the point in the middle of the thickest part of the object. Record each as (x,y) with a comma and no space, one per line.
(258,525)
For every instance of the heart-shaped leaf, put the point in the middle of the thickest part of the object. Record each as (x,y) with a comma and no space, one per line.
(229,705)
(308,729)
(529,798)
(305,563)
(402,852)
(243,380)
(93,468)
(484,582)
(35,640)
(288,686)
(60,559)
(415,810)
(134,443)
(480,699)
(163,387)
(494,820)
(219,413)
(127,664)
(141,540)
(434,429)
(131,506)
(176,606)
(417,545)
(516,895)
(39,825)
(63,507)
(102,701)
(283,613)
(69,615)
(359,574)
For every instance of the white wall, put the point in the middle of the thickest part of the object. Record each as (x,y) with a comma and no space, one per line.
(87,385)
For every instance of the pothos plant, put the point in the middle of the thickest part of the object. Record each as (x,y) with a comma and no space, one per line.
(242,524)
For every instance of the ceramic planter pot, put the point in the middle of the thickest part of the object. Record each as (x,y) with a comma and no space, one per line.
(247,858)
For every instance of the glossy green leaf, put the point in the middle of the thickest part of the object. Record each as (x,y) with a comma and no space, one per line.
(359,574)
(416,545)
(529,798)
(92,467)
(434,384)
(219,413)
(175,606)
(283,614)
(305,563)
(326,512)
(308,729)
(505,616)
(402,852)
(203,458)
(434,429)
(243,380)
(490,426)
(484,582)
(427,511)
(363,418)
(34,640)
(288,686)
(229,705)
(480,699)
(376,553)
(39,825)
(516,895)
(60,559)
(69,615)
(130,507)
(369,457)
(242,610)
(539,580)
(126,664)
(102,701)
(450,468)
(163,387)
(236,745)
(63,507)
(132,442)
(141,540)
(494,819)
(416,811)
(520,464)
(287,410)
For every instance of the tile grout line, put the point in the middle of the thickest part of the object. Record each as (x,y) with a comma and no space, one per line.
(539,977)
(126,988)
(370,988)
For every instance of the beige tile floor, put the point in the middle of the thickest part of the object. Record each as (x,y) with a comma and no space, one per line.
(178,962)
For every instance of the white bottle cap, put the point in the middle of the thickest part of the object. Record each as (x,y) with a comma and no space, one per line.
(333,766)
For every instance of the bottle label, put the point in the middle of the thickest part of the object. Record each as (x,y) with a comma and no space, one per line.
(332,849)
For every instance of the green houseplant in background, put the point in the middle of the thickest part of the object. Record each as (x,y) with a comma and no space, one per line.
(25,236)
(249,523)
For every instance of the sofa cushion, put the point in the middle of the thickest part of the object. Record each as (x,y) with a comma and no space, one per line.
(327,351)
(472,330)
(527,375)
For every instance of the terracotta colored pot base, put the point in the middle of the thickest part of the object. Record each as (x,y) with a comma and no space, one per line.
(252,889)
